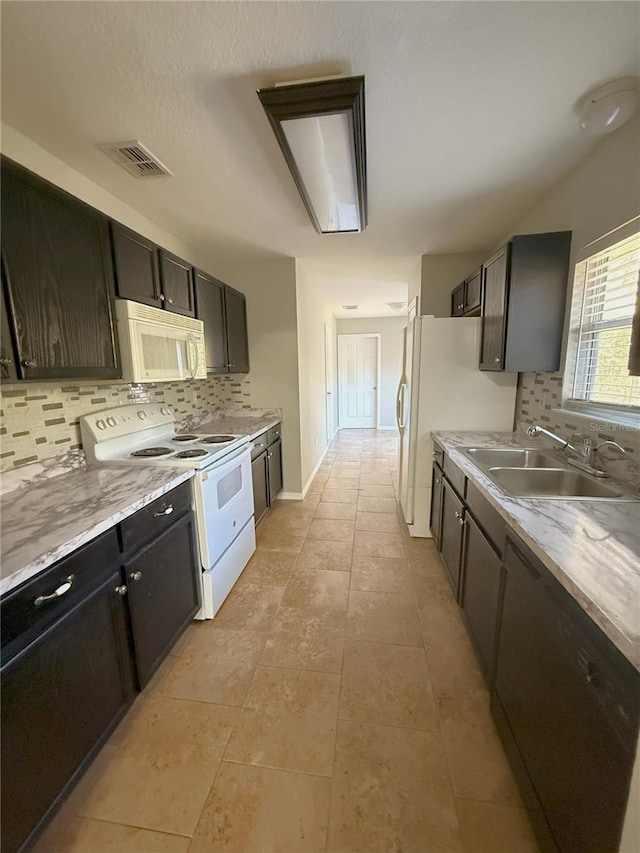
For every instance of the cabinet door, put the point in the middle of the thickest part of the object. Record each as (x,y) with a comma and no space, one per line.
(209,296)
(457,301)
(473,291)
(480,595)
(59,278)
(494,310)
(8,370)
(435,520)
(177,284)
(136,266)
(451,534)
(259,474)
(237,336)
(274,456)
(60,700)
(163,594)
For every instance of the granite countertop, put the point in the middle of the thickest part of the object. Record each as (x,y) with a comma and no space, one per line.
(591,547)
(238,425)
(48,519)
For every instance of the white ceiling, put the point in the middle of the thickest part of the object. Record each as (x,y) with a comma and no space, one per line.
(471,109)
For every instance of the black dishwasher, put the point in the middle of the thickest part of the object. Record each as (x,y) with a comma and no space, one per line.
(567,705)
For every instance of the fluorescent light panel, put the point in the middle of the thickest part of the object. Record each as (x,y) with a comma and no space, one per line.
(320,128)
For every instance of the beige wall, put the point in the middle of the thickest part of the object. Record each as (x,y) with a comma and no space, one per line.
(270,288)
(390,357)
(440,274)
(313,314)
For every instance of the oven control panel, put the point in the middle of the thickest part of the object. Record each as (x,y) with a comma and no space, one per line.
(125,420)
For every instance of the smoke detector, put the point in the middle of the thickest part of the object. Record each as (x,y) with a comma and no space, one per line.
(349,307)
(136,159)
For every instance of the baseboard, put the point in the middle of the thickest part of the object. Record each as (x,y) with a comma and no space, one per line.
(290,496)
(389,427)
(313,473)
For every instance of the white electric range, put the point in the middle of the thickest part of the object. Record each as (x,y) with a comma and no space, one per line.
(145,434)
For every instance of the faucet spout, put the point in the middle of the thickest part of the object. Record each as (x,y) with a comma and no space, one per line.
(535,431)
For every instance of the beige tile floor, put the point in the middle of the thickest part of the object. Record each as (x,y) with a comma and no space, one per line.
(334,704)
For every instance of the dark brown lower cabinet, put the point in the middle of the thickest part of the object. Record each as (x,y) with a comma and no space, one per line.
(451,534)
(567,704)
(163,594)
(274,455)
(435,519)
(480,594)
(62,695)
(260,476)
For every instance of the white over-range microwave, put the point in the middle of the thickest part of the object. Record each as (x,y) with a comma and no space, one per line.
(159,346)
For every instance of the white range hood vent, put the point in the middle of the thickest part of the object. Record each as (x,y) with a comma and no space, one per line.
(136,159)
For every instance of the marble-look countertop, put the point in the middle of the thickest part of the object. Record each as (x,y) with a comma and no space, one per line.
(591,547)
(238,425)
(50,518)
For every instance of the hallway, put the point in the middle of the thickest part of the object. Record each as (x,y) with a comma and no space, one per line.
(333,704)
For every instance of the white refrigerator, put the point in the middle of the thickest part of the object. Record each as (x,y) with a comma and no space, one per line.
(442,388)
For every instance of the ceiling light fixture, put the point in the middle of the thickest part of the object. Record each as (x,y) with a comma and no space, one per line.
(319,126)
(608,107)
(350,307)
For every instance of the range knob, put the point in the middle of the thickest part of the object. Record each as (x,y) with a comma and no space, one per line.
(142,414)
(111,421)
(101,424)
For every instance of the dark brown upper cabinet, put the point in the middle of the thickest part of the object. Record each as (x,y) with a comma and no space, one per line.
(237,337)
(209,295)
(224,313)
(136,266)
(524,295)
(8,370)
(466,298)
(59,281)
(176,276)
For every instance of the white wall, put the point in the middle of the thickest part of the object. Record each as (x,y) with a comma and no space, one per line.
(32,156)
(313,314)
(390,359)
(440,274)
(270,288)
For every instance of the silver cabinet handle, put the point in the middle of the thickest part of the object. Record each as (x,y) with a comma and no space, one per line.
(269,455)
(5,361)
(170,301)
(63,589)
(136,576)
(230,365)
(121,590)
(166,510)
(27,362)
(437,481)
(162,297)
(259,445)
(497,360)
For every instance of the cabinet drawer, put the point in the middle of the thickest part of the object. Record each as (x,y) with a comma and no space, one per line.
(22,619)
(259,445)
(150,521)
(455,476)
(274,434)
(491,522)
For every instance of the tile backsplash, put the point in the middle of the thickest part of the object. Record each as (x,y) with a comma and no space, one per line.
(41,420)
(540,393)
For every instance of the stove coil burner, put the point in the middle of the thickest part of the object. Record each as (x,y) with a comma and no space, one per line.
(190,454)
(218,439)
(185,437)
(149,452)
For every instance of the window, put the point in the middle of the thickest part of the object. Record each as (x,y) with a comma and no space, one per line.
(606,291)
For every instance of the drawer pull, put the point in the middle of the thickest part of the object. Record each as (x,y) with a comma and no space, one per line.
(136,576)
(122,589)
(259,445)
(63,589)
(166,510)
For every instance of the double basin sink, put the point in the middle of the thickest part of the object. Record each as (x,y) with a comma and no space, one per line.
(535,474)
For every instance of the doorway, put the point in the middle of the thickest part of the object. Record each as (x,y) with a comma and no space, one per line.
(358,381)
(329,380)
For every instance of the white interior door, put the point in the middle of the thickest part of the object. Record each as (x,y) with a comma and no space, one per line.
(358,380)
(329,380)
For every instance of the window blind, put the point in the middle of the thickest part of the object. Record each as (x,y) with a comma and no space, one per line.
(611,280)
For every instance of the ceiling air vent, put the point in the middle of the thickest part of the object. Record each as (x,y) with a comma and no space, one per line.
(350,307)
(136,159)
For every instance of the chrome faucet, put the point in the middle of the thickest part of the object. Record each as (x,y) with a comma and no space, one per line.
(579,455)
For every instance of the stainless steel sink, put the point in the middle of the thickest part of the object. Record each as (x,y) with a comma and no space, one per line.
(553,483)
(510,457)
